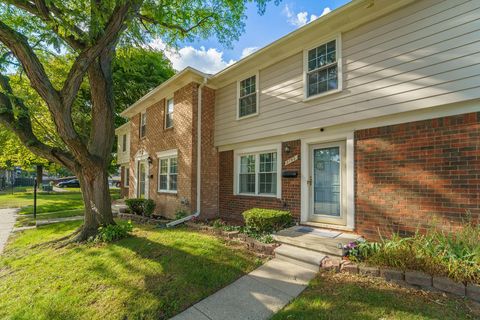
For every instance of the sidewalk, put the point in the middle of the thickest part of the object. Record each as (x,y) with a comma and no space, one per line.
(7,221)
(255,296)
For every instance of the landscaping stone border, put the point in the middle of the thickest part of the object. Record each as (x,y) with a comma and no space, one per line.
(251,243)
(140,219)
(410,279)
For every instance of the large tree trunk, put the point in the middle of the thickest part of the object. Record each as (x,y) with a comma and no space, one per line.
(97,200)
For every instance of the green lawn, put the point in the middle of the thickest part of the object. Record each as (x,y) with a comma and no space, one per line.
(49,205)
(343,296)
(152,275)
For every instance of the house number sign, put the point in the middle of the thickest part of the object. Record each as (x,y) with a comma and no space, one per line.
(291,160)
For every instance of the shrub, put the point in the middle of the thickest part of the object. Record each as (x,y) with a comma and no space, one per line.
(141,207)
(114,232)
(267,220)
(180,213)
(456,256)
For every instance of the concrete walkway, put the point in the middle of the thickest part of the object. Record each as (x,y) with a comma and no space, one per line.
(57,220)
(7,221)
(255,296)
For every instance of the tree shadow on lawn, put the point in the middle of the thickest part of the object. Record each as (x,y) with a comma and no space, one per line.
(343,296)
(173,275)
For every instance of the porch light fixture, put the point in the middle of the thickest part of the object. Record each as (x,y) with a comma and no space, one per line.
(287,149)
(150,160)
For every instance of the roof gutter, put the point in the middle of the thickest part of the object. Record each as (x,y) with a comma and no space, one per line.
(199,158)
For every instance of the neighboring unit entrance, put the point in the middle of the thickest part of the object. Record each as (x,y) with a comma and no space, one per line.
(142,179)
(327,183)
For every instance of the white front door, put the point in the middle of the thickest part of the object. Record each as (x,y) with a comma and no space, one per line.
(327,183)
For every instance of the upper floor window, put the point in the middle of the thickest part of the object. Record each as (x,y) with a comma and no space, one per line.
(247,97)
(143,124)
(169,113)
(322,72)
(124,143)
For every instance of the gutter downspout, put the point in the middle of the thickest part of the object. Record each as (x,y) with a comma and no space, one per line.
(199,159)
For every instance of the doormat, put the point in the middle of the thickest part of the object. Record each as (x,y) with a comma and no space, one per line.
(320,233)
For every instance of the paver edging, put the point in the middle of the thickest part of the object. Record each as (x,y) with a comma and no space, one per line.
(410,279)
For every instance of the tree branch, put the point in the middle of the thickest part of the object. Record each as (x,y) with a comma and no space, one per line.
(22,127)
(43,11)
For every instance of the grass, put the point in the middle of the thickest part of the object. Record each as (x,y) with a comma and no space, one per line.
(154,274)
(343,296)
(49,204)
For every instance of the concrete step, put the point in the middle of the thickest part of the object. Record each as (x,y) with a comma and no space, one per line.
(329,247)
(301,257)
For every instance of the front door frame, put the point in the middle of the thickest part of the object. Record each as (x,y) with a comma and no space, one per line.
(348,138)
(142,156)
(342,220)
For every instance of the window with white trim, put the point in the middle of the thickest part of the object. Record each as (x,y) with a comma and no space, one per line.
(322,69)
(247,97)
(257,174)
(126,176)
(169,106)
(124,143)
(167,174)
(143,124)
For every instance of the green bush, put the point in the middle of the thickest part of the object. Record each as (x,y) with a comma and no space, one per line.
(267,220)
(114,232)
(453,255)
(141,207)
(180,213)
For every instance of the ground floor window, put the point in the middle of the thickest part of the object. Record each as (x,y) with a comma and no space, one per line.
(257,173)
(167,175)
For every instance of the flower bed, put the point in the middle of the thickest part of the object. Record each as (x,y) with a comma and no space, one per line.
(141,219)
(234,233)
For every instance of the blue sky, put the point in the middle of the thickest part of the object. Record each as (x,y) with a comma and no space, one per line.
(210,56)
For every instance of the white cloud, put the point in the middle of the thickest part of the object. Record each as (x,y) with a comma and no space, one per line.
(248,51)
(207,60)
(301,18)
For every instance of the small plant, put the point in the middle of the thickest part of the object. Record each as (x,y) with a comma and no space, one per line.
(180,213)
(114,232)
(218,224)
(267,220)
(141,207)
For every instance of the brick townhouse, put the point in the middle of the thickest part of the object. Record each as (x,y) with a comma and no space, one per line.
(366,119)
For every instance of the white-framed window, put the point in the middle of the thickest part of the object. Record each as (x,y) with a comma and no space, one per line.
(167,171)
(257,172)
(322,68)
(247,97)
(124,142)
(126,176)
(143,124)
(169,107)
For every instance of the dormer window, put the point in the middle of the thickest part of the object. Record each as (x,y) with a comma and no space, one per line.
(322,69)
(124,143)
(247,97)
(143,124)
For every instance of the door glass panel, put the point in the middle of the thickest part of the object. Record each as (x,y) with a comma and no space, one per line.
(326,181)
(141,179)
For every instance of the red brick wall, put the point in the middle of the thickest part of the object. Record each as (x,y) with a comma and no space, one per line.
(231,206)
(417,175)
(209,175)
(158,138)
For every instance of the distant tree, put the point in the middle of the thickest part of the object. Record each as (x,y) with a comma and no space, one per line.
(91,31)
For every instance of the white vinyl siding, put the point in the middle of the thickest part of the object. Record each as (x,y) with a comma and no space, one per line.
(423,55)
